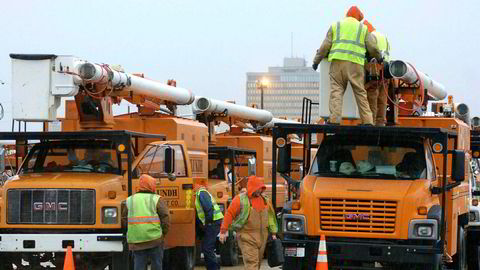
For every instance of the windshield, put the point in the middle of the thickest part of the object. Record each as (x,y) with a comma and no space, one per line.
(221,167)
(72,156)
(377,158)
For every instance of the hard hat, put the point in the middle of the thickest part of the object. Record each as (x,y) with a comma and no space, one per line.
(346,168)
(369,26)
(355,12)
(364,166)
(147,183)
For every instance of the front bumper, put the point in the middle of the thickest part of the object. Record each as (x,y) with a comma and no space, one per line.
(340,250)
(58,242)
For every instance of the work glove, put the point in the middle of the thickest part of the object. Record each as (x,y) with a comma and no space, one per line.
(315,66)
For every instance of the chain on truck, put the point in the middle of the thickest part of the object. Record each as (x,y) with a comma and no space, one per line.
(57,174)
(394,197)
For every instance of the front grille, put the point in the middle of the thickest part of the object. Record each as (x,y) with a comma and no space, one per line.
(352,215)
(51,206)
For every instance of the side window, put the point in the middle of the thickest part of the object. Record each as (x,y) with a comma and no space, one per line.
(430,164)
(180,166)
(153,162)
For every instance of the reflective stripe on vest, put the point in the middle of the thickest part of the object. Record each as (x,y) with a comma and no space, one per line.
(245,207)
(383,45)
(143,220)
(348,41)
(217,213)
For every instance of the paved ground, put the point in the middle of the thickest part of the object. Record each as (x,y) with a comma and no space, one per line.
(240,266)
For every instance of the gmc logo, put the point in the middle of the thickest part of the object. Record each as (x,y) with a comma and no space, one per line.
(50,206)
(357,217)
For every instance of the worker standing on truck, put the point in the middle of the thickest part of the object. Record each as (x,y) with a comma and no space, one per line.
(376,84)
(209,219)
(346,44)
(148,223)
(252,216)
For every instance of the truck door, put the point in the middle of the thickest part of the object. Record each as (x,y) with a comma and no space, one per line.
(175,188)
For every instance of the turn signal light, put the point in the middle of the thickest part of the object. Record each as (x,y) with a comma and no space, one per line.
(219,194)
(296,205)
(112,194)
(422,210)
(475,202)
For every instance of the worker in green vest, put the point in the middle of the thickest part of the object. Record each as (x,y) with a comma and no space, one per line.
(345,45)
(376,84)
(252,216)
(209,219)
(148,223)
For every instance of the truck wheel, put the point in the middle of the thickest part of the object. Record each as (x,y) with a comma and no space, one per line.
(460,259)
(473,257)
(181,258)
(5,263)
(229,252)
(120,261)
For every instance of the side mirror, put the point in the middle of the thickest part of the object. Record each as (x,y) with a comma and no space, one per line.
(284,159)
(169,160)
(458,165)
(252,166)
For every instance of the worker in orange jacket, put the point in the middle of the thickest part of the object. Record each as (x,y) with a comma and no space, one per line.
(252,216)
(376,84)
(345,45)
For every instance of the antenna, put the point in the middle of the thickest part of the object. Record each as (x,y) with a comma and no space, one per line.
(291,44)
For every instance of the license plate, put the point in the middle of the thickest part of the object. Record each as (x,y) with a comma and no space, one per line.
(295,252)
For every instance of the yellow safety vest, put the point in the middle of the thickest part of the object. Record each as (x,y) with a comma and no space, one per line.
(143,220)
(383,45)
(348,41)
(217,213)
(245,208)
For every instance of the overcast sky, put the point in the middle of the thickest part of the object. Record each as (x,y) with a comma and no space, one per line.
(208,46)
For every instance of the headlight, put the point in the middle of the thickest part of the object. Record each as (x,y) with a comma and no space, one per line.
(109,215)
(423,229)
(294,224)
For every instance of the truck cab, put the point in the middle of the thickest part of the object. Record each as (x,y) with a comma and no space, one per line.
(380,196)
(69,191)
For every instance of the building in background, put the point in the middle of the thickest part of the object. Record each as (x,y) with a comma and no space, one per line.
(284,88)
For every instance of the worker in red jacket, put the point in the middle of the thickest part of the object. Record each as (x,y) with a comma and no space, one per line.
(252,216)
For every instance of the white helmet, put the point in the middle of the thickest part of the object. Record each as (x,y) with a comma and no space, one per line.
(346,168)
(364,166)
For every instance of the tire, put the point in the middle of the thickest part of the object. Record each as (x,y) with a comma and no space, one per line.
(181,258)
(5,263)
(460,259)
(229,252)
(120,261)
(473,257)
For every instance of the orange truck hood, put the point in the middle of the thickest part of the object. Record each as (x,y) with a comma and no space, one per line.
(362,188)
(61,180)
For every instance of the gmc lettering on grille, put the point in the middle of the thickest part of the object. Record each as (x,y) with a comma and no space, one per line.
(50,206)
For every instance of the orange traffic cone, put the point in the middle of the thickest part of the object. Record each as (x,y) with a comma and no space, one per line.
(322,262)
(68,263)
